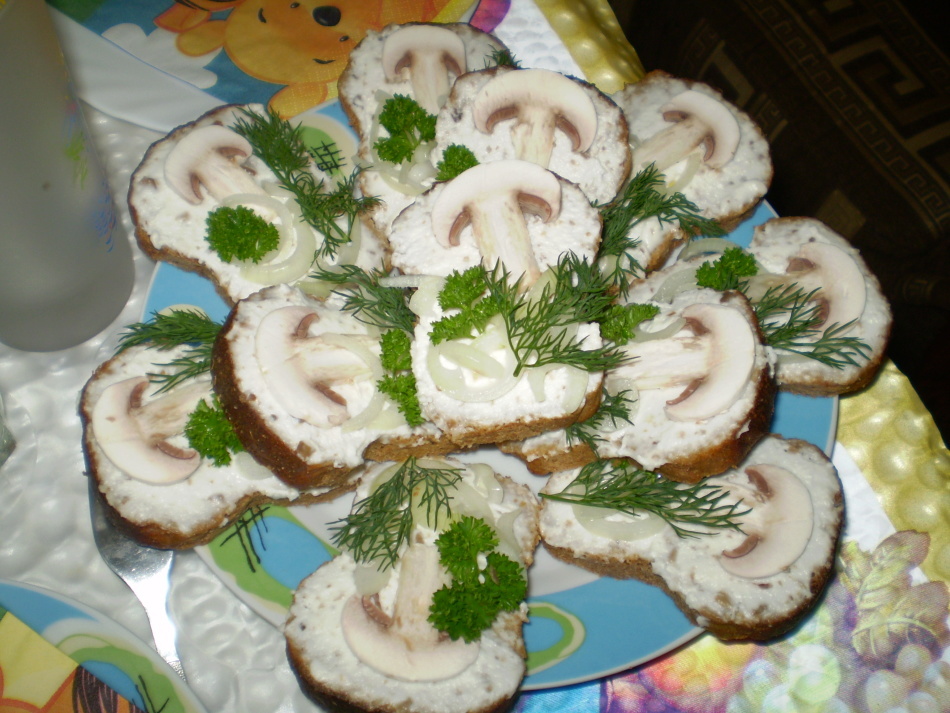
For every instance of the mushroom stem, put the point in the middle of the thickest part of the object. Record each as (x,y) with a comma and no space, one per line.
(502,234)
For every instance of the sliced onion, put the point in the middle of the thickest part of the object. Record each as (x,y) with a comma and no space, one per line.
(466,500)
(361,420)
(472,358)
(679,281)
(615,525)
(614,384)
(250,468)
(289,269)
(576,390)
(426,296)
(786,358)
(536,377)
(354,343)
(669,330)
(693,162)
(507,539)
(486,482)
(369,579)
(451,381)
(266,206)
(705,246)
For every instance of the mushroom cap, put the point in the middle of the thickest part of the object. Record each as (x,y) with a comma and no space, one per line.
(135,442)
(204,156)
(780,527)
(277,342)
(731,356)
(507,94)
(722,130)
(428,53)
(841,281)
(536,189)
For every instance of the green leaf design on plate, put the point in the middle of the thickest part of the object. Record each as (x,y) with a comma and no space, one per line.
(235,551)
(572,636)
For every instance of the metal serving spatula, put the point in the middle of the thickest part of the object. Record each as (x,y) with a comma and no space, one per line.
(147,572)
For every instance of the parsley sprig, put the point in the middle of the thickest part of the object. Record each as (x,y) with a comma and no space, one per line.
(399,383)
(380,524)
(409,126)
(168,330)
(209,432)
(619,485)
(477,594)
(280,145)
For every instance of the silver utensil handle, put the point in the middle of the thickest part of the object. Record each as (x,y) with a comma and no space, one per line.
(164,631)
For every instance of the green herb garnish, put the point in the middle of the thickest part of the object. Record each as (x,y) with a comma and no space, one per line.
(613,409)
(280,145)
(456,159)
(238,233)
(501,57)
(789,319)
(618,485)
(370,302)
(399,383)
(173,329)
(621,321)
(380,524)
(640,200)
(476,595)
(727,271)
(409,126)
(787,314)
(209,432)
(535,324)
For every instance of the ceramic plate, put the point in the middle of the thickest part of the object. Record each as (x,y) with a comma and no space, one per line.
(113,654)
(582,627)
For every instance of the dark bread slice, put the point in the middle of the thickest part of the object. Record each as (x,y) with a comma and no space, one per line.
(177,515)
(336,678)
(300,453)
(728,194)
(728,606)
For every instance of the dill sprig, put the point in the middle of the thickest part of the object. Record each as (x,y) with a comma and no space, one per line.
(501,57)
(789,319)
(380,524)
(619,485)
(613,409)
(640,200)
(370,302)
(168,330)
(280,145)
(577,294)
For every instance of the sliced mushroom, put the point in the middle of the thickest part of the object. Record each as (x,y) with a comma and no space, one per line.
(842,291)
(493,198)
(405,645)
(539,101)
(427,53)
(210,157)
(303,371)
(698,120)
(712,357)
(779,528)
(135,435)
